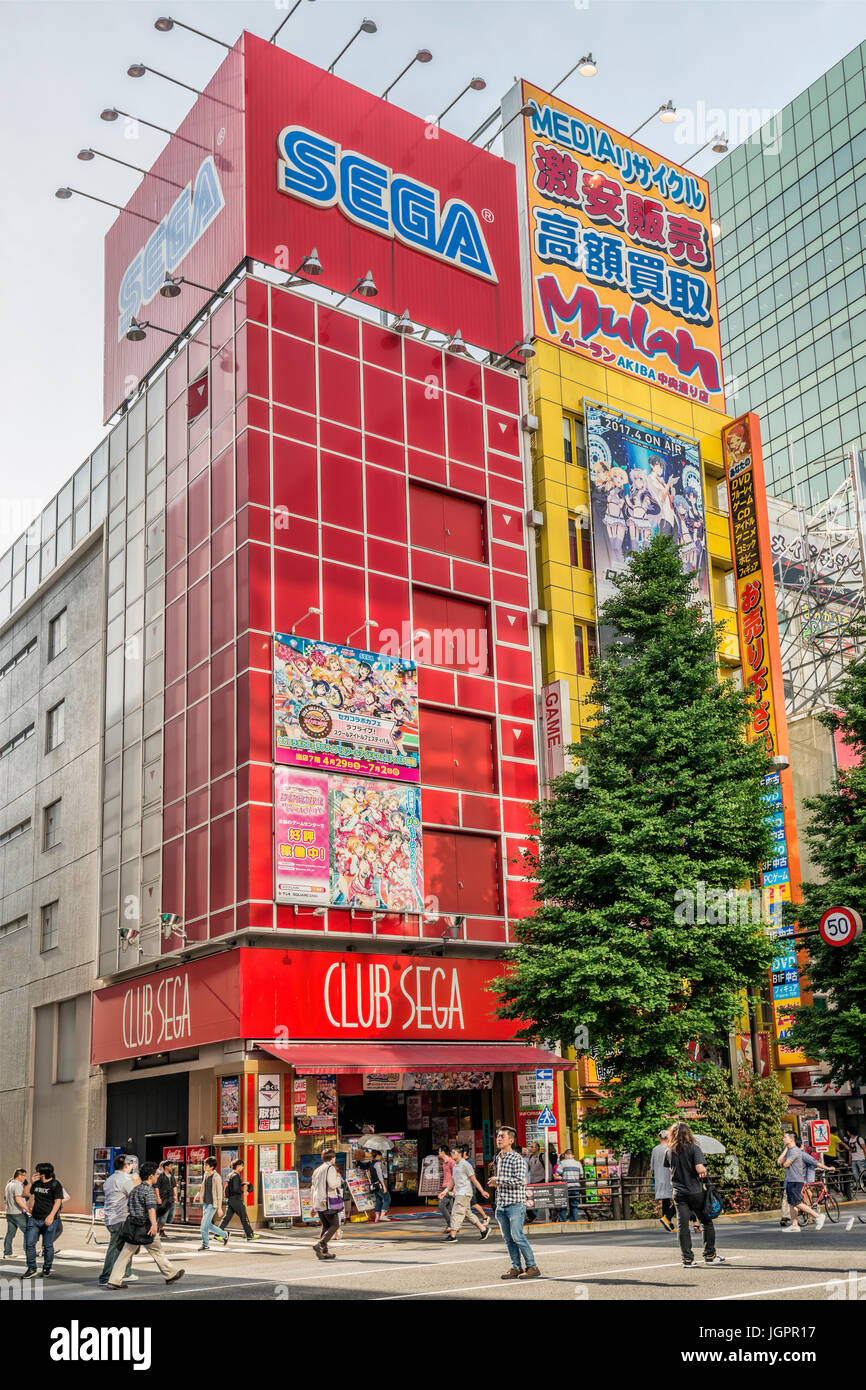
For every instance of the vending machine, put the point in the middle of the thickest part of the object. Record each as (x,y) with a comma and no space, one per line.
(103,1165)
(176,1154)
(195,1157)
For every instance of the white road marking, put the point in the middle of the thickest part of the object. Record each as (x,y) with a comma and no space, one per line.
(558,1278)
(791,1288)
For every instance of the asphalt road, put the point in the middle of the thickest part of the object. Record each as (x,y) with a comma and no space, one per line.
(764,1264)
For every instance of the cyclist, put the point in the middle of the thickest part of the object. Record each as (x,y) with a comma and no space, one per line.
(799,1168)
(857,1150)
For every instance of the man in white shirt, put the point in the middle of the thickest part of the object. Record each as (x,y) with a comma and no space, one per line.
(16,1209)
(461,1183)
(118,1186)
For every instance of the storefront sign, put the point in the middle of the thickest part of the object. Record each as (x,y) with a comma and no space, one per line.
(643,482)
(281,1194)
(620,250)
(556,723)
(341,709)
(384,1081)
(762,678)
(229,1100)
(430,1081)
(344,842)
(188,1006)
(268,1088)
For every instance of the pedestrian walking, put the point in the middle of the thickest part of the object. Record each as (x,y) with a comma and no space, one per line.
(662,1187)
(570,1170)
(326,1200)
(446,1196)
(115,1196)
(379,1186)
(857,1150)
(799,1169)
(166,1189)
(474,1206)
(688,1169)
(16,1209)
(44,1201)
(210,1194)
(235,1206)
(535,1159)
(463,1180)
(140,1232)
(511,1198)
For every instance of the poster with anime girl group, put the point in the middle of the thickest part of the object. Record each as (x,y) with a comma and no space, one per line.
(643,482)
(348,842)
(341,709)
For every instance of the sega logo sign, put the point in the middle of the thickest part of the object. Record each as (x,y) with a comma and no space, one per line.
(317,171)
(184,224)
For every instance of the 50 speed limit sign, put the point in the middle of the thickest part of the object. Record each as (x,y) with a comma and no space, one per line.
(840,926)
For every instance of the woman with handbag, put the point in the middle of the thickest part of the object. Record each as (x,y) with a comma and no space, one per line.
(327,1201)
(688,1172)
(139,1231)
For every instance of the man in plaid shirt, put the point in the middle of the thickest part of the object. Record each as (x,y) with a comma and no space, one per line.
(510,1182)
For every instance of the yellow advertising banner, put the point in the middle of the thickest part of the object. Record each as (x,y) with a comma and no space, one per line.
(620,250)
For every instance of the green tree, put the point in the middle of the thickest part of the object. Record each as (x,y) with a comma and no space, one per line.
(836,835)
(746,1116)
(672,800)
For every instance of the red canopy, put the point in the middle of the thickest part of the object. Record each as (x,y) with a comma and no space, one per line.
(323,1059)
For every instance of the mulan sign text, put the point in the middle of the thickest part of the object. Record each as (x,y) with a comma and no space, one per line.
(316,170)
(157,1015)
(359,996)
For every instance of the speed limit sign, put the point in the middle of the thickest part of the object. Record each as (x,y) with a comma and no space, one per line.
(840,926)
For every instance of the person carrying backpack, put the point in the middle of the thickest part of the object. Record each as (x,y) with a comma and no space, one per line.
(688,1171)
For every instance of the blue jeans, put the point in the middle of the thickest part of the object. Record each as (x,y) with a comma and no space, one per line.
(574,1206)
(382,1200)
(208,1224)
(511,1219)
(18,1222)
(34,1230)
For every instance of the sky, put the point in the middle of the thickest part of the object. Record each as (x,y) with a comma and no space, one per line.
(63,61)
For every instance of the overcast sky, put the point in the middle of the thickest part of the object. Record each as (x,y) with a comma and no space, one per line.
(64,60)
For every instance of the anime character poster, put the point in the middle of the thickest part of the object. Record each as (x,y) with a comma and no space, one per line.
(375,845)
(643,482)
(301,837)
(342,709)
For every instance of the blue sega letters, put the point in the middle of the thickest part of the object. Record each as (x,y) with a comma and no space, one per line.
(316,170)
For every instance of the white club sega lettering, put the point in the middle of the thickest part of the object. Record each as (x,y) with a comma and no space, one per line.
(153,1017)
(359,996)
(184,224)
(317,171)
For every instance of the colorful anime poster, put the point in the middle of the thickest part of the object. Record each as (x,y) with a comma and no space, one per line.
(342,709)
(301,838)
(643,482)
(229,1101)
(347,842)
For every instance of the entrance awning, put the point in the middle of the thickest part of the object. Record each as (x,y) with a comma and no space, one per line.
(324,1059)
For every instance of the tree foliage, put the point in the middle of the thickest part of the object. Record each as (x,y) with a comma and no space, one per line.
(746,1117)
(672,799)
(836,835)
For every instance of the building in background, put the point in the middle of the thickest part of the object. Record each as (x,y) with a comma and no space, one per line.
(300,556)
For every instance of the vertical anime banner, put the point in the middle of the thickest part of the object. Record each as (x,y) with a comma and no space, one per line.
(643,482)
(758,629)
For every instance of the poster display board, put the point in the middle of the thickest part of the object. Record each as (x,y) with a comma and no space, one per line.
(268,1102)
(620,249)
(359,1185)
(644,482)
(430,1081)
(346,842)
(343,709)
(229,1104)
(281,1194)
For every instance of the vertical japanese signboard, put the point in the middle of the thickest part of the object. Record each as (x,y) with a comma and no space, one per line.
(620,250)
(762,679)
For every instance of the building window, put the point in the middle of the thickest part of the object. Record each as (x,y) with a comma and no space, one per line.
(573,553)
(48,939)
(14,831)
(17,924)
(54,727)
(579,545)
(51,825)
(65,1062)
(573,450)
(567,447)
(447,523)
(450,632)
(57,635)
(17,740)
(591,646)
(579,650)
(462,872)
(458,750)
(18,657)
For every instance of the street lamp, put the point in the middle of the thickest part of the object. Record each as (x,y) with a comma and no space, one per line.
(525,110)
(587,67)
(165,24)
(67,192)
(718,142)
(367,26)
(422,56)
(139,69)
(273,37)
(666,113)
(477,84)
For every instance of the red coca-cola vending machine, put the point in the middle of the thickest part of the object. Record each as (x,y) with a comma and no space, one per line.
(195,1157)
(176,1154)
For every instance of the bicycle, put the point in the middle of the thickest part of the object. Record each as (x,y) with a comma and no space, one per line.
(815,1194)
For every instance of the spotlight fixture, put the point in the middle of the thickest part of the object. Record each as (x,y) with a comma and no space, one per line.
(136,331)
(371,622)
(525,110)
(365,287)
(477,84)
(666,113)
(456,345)
(403,325)
(273,37)
(587,67)
(523,349)
(139,69)
(310,265)
(309,613)
(68,192)
(111,113)
(165,24)
(367,26)
(719,145)
(87,155)
(422,56)
(715,229)
(171,286)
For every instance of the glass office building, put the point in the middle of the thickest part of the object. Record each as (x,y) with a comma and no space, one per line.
(791,265)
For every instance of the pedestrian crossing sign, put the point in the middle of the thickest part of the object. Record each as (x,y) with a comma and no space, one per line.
(547,1119)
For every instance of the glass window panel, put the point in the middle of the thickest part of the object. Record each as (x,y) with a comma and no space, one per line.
(47,558)
(64,502)
(99,503)
(117,442)
(99,463)
(64,540)
(32,582)
(81,484)
(49,519)
(82,523)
